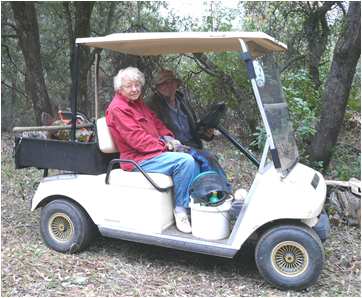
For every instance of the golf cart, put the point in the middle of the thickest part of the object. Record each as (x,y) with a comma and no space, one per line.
(280,209)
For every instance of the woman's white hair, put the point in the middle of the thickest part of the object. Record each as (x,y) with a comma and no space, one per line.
(130,73)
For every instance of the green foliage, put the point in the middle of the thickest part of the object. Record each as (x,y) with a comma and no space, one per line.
(302,100)
(346,162)
(354,101)
(258,138)
(354,104)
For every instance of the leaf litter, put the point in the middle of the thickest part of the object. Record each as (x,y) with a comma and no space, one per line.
(111,267)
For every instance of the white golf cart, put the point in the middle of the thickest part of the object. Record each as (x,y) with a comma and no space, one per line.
(279,211)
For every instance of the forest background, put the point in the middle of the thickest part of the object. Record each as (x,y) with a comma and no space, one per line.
(321,75)
(320,72)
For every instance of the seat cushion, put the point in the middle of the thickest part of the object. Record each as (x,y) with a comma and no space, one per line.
(136,179)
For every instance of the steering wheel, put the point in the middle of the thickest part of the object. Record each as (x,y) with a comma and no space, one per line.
(212,118)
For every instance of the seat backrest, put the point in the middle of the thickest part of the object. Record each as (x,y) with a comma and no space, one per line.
(105,141)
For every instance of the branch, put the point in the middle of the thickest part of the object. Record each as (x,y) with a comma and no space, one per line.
(9,35)
(11,59)
(202,62)
(205,69)
(68,17)
(10,25)
(92,57)
(106,31)
(109,18)
(14,88)
(171,59)
(291,61)
(190,74)
(326,7)
(340,4)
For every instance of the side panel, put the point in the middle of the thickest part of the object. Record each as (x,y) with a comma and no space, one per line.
(272,197)
(139,207)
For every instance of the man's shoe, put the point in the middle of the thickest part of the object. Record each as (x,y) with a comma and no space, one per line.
(182,222)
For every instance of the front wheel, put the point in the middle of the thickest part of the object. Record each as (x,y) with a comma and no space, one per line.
(290,256)
(65,226)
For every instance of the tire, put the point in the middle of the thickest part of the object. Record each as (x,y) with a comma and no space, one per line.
(65,227)
(323,227)
(290,256)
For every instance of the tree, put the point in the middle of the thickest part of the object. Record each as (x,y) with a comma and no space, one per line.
(337,87)
(28,37)
(81,28)
(316,32)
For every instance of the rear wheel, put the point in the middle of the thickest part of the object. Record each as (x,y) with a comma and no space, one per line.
(65,227)
(290,256)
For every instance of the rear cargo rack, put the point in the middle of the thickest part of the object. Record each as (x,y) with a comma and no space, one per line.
(78,157)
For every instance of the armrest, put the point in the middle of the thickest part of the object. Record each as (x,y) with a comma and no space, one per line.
(116,160)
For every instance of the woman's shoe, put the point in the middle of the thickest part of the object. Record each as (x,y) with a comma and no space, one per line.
(182,222)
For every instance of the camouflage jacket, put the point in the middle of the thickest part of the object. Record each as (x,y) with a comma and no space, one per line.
(158,104)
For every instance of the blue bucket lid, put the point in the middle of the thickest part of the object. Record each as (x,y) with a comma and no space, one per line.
(206,183)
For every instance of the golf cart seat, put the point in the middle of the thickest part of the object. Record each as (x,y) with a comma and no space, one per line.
(119,176)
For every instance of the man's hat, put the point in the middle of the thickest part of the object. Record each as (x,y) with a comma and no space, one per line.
(165,75)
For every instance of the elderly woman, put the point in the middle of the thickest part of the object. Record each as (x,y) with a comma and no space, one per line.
(141,136)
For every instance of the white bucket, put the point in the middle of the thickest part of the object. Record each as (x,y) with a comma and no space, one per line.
(210,222)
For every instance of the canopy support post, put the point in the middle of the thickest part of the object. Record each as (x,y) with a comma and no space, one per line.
(251,71)
(96,85)
(75,88)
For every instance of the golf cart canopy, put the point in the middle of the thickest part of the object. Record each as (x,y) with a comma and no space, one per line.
(161,43)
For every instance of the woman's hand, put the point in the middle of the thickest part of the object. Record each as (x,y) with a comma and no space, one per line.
(171,144)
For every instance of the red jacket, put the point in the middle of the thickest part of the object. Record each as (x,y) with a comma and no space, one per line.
(135,130)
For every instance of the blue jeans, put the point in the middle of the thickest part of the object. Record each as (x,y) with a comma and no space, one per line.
(181,167)
(211,164)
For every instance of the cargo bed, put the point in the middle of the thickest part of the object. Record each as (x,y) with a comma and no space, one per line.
(78,157)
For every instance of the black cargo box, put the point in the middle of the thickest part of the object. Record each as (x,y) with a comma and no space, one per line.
(82,158)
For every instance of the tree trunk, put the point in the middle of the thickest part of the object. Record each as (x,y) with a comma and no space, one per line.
(316,31)
(338,85)
(83,12)
(28,34)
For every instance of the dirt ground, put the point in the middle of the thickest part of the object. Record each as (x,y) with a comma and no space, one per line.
(120,268)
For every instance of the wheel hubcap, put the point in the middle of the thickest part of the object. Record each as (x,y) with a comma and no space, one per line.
(289,258)
(61,227)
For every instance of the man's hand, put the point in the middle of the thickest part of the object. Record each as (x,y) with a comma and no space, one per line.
(206,133)
(209,133)
(175,145)
(181,148)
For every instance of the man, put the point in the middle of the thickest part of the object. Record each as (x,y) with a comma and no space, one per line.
(171,107)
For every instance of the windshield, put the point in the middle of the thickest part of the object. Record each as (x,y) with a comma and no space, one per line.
(276,111)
